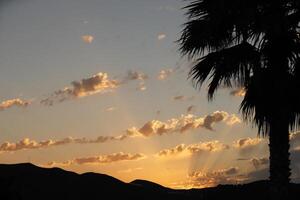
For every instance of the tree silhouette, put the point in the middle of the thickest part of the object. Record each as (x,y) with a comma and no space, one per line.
(253,44)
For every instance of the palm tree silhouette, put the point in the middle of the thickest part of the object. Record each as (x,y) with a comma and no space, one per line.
(253,44)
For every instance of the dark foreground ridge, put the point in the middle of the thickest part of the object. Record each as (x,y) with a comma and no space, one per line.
(29,182)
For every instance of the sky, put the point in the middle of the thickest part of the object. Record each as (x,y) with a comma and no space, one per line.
(100,85)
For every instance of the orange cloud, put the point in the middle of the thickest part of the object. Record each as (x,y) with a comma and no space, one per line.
(247,145)
(87,38)
(13,102)
(201,179)
(240,92)
(182,124)
(150,128)
(247,142)
(211,146)
(32,144)
(96,84)
(101,159)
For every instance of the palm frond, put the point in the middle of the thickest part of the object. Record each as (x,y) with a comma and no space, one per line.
(227,67)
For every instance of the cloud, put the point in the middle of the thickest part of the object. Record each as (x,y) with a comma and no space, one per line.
(259,162)
(98,83)
(32,144)
(190,109)
(161,36)
(141,86)
(247,145)
(110,109)
(240,92)
(130,170)
(14,103)
(101,159)
(295,138)
(182,124)
(211,146)
(201,179)
(247,142)
(135,75)
(182,98)
(87,38)
(151,128)
(164,74)
(261,174)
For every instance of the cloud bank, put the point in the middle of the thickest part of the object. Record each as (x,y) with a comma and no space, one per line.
(101,159)
(32,144)
(201,179)
(151,128)
(211,146)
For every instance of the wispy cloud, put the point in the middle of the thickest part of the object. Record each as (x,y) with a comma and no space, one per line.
(87,38)
(135,75)
(100,159)
(130,170)
(191,109)
(211,146)
(182,98)
(14,103)
(240,92)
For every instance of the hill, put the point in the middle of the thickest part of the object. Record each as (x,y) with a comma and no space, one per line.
(28,182)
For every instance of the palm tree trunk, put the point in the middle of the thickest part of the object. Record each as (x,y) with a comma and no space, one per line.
(279,153)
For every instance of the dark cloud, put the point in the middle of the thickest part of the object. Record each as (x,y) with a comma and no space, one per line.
(191,109)
(98,83)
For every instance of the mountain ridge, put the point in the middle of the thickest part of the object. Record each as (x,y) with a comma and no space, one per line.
(27,181)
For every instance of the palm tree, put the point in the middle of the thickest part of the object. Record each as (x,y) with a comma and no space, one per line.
(253,44)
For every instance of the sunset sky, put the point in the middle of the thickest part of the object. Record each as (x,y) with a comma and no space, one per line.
(99,85)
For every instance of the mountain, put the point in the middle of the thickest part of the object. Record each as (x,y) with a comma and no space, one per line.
(28,182)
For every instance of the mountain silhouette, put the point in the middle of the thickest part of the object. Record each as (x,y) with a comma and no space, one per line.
(29,182)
